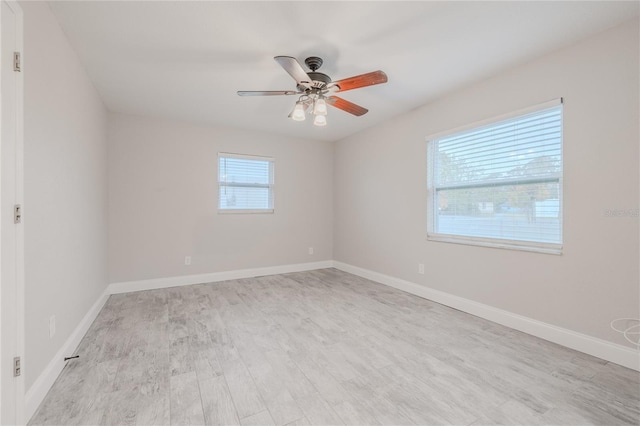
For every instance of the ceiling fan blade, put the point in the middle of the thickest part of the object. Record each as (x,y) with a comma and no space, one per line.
(347,106)
(267,92)
(295,70)
(363,80)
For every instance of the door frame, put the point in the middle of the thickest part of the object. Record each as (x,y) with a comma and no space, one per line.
(18,323)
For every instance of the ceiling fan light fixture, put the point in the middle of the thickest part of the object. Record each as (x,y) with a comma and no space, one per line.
(320,120)
(298,112)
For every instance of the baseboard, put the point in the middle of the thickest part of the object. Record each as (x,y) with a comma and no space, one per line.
(603,349)
(129,286)
(44,382)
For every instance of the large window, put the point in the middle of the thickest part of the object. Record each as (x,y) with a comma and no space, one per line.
(245,183)
(499,184)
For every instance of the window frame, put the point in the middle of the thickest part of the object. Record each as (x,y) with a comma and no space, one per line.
(270,185)
(493,242)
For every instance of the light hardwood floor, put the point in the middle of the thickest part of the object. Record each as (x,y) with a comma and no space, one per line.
(323,347)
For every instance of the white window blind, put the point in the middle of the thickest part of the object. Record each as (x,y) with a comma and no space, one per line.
(499,184)
(245,183)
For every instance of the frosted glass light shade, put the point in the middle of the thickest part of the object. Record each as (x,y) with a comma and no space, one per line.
(320,107)
(298,112)
(320,120)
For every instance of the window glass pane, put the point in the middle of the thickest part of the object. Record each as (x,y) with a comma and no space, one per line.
(527,212)
(501,180)
(244,183)
(233,197)
(523,146)
(244,171)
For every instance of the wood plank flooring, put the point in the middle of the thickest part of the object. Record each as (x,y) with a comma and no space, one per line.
(322,348)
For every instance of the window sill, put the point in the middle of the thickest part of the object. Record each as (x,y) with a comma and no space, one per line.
(245,211)
(545,248)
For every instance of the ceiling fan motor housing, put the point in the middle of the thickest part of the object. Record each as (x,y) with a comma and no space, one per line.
(318,79)
(318,76)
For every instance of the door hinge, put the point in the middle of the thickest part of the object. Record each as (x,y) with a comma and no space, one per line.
(17,213)
(16,367)
(16,61)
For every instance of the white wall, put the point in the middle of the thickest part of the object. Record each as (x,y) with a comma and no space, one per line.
(380,192)
(163,207)
(65,178)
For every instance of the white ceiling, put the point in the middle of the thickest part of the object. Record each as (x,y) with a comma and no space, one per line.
(186,60)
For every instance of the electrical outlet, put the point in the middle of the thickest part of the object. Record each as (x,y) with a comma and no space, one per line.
(52,326)
(187,260)
(310,250)
(421,268)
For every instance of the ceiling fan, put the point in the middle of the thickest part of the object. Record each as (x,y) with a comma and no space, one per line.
(315,89)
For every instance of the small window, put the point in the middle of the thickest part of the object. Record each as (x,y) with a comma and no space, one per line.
(499,184)
(245,184)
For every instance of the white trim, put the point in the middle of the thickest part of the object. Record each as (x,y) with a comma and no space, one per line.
(20,269)
(245,156)
(129,286)
(38,390)
(17,322)
(609,351)
(245,211)
(532,246)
